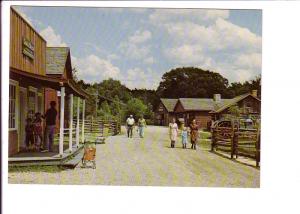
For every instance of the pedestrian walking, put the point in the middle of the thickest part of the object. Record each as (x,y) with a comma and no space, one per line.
(141,126)
(50,117)
(184,136)
(129,125)
(194,133)
(173,132)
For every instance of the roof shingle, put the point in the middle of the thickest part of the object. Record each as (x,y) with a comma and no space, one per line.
(169,103)
(56,58)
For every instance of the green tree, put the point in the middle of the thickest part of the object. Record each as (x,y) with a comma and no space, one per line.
(191,82)
(136,107)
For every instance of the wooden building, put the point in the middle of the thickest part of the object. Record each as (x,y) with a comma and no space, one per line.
(165,111)
(204,110)
(249,104)
(28,81)
(58,65)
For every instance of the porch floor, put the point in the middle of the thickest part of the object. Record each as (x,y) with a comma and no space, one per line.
(40,158)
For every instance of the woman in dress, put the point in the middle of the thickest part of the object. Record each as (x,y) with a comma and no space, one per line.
(194,133)
(173,131)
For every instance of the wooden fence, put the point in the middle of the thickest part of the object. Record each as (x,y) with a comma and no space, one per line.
(237,142)
(101,128)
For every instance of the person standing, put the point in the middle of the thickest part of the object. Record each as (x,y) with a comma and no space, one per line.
(50,117)
(173,132)
(194,133)
(38,131)
(29,134)
(129,124)
(141,124)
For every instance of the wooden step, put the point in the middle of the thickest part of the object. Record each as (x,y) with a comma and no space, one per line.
(74,161)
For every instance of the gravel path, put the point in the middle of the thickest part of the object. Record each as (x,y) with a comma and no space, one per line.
(150,162)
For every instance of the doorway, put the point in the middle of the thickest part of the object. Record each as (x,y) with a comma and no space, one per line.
(23,115)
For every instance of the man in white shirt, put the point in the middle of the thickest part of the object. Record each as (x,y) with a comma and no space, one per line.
(130,123)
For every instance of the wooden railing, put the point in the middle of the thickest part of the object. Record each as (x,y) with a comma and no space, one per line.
(101,127)
(237,142)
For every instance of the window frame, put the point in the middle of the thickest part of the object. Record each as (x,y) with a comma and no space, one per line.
(16,85)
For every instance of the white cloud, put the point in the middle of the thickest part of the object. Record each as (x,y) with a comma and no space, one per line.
(52,38)
(149,60)
(134,51)
(139,78)
(111,57)
(221,46)
(140,37)
(134,47)
(196,15)
(249,61)
(94,69)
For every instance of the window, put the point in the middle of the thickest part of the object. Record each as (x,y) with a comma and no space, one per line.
(12,106)
(31,104)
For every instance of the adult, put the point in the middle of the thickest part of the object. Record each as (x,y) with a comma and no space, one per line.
(141,124)
(194,133)
(50,118)
(173,132)
(129,124)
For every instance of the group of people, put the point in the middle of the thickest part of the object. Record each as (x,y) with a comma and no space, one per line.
(191,131)
(34,139)
(130,124)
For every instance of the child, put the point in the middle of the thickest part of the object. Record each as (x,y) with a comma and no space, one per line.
(184,135)
(38,131)
(29,139)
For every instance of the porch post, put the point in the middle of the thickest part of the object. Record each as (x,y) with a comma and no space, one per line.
(61,128)
(77,123)
(83,114)
(71,124)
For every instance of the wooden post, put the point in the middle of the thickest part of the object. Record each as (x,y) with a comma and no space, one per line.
(62,114)
(234,144)
(213,140)
(257,153)
(83,112)
(71,124)
(77,123)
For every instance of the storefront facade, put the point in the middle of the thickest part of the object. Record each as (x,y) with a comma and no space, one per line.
(28,83)
(27,54)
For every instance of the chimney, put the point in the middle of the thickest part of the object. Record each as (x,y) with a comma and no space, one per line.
(217,97)
(254,93)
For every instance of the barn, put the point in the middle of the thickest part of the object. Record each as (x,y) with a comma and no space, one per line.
(204,110)
(165,111)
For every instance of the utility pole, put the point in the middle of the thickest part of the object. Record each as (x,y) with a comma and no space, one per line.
(96,103)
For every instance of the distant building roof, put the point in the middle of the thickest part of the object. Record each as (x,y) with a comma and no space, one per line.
(233,101)
(56,58)
(169,103)
(201,104)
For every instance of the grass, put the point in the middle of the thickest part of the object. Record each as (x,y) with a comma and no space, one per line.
(50,169)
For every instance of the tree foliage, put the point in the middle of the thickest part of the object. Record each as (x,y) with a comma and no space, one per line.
(191,82)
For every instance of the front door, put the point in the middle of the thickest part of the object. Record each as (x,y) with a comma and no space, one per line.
(23,115)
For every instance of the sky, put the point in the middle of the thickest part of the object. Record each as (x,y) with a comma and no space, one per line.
(138,45)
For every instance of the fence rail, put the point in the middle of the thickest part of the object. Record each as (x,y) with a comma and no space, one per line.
(112,127)
(237,142)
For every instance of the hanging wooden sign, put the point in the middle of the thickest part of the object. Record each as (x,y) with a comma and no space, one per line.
(28,48)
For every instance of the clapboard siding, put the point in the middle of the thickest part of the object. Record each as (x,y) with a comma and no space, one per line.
(20,29)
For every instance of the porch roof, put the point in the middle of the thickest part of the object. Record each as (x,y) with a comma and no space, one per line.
(48,81)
